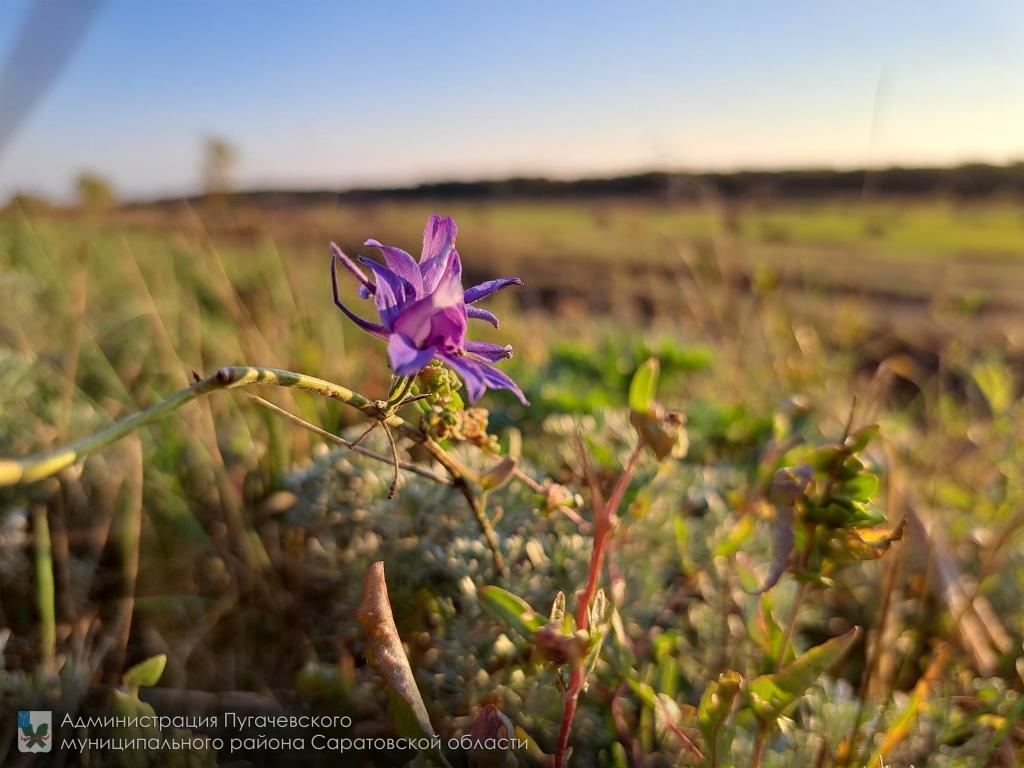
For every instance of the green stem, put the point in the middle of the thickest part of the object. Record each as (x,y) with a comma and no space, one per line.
(44,590)
(399,389)
(461,479)
(40,466)
(801,593)
(755,756)
(34,468)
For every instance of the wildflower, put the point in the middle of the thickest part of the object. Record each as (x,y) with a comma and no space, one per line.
(425,312)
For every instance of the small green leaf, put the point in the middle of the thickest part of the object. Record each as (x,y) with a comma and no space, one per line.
(860,439)
(644,386)
(860,488)
(772,696)
(996,384)
(511,608)
(740,532)
(146,673)
(714,709)
(836,514)
(824,459)
(498,475)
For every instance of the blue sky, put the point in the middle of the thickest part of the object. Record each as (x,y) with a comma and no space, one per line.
(343,93)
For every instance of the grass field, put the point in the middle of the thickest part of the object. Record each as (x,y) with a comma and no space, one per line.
(235,542)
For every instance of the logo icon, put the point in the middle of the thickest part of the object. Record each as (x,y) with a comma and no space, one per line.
(34,730)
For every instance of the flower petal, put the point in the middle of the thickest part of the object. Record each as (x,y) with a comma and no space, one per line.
(438,237)
(448,327)
(374,328)
(480,375)
(434,269)
(427,324)
(393,292)
(401,263)
(406,359)
(448,289)
(484,290)
(438,245)
(498,379)
(366,325)
(470,372)
(482,314)
(439,318)
(488,351)
(364,281)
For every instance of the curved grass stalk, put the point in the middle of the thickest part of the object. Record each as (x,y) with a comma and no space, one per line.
(34,468)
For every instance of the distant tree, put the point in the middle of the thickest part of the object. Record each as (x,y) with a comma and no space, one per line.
(94,192)
(219,160)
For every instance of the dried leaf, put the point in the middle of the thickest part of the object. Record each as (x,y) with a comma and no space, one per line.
(869,543)
(557,615)
(906,719)
(491,727)
(386,654)
(664,432)
(788,487)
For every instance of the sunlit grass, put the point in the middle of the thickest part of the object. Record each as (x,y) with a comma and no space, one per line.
(252,538)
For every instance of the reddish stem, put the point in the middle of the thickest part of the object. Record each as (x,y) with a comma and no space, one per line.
(572,695)
(603,529)
(604,517)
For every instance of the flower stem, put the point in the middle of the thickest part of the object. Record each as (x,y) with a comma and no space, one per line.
(461,480)
(801,593)
(42,465)
(758,750)
(39,466)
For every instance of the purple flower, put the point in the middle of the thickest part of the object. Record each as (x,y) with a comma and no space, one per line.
(424,310)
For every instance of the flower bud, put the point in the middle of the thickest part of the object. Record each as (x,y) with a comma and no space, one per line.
(491,725)
(664,432)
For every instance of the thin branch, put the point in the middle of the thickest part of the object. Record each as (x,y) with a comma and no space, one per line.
(460,478)
(394,461)
(365,434)
(528,481)
(337,440)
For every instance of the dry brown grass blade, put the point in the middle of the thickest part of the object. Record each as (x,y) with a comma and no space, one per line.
(906,719)
(387,655)
(981,632)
